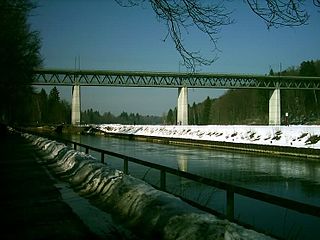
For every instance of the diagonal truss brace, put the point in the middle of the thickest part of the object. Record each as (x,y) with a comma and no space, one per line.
(171,80)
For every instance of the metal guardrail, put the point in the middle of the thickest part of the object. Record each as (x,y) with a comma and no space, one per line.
(230,189)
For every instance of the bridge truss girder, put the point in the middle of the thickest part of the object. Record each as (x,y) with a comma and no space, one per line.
(171,80)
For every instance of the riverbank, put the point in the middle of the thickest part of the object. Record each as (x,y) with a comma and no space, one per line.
(294,141)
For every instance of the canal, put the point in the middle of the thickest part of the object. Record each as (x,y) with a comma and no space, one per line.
(297,179)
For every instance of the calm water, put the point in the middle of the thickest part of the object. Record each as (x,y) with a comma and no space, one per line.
(297,179)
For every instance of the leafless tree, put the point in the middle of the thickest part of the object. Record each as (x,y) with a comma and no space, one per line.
(280,13)
(316,3)
(209,17)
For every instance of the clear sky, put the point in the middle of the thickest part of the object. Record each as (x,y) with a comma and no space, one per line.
(107,36)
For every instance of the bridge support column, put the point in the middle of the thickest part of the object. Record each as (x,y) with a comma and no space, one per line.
(274,107)
(75,105)
(182,107)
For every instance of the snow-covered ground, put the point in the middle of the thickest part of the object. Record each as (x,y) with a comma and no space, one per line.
(301,136)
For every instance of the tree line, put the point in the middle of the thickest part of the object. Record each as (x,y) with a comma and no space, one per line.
(94,117)
(51,109)
(48,109)
(250,106)
(19,51)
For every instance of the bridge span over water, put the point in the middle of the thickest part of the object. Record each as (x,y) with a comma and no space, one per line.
(181,81)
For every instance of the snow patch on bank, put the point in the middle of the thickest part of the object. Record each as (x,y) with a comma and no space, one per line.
(150,213)
(292,136)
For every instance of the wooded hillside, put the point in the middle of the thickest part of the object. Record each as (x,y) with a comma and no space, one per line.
(250,106)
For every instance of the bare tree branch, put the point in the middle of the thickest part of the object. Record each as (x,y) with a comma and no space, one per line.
(280,12)
(129,3)
(180,15)
(209,17)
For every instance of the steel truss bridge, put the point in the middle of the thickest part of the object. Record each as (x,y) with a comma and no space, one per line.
(170,79)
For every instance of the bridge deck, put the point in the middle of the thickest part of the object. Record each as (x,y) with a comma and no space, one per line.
(170,79)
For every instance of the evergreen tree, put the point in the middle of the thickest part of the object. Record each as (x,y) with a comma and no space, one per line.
(308,69)
(43,104)
(19,51)
(57,110)
(137,118)
(271,73)
(170,118)
(53,102)
(54,95)
(190,115)
(124,118)
(206,111)
(196,114)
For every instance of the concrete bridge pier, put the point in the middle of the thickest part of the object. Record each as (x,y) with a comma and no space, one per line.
(182,106)
(275,107)
(75,105)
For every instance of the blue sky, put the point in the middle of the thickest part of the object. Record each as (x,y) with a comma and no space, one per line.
(107,36)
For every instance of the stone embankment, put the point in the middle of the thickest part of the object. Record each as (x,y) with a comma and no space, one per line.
(149,213)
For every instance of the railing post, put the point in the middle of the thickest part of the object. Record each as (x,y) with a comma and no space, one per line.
(125,166)
(87,150)
(230,204)
(163,180)
(102,157)
(74,146)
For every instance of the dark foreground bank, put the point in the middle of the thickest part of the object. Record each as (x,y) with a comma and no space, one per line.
(31,206)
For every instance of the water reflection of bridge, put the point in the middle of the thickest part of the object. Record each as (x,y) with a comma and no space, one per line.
(182,162)
(182,81)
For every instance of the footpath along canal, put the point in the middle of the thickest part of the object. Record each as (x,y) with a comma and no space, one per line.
(292,178)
